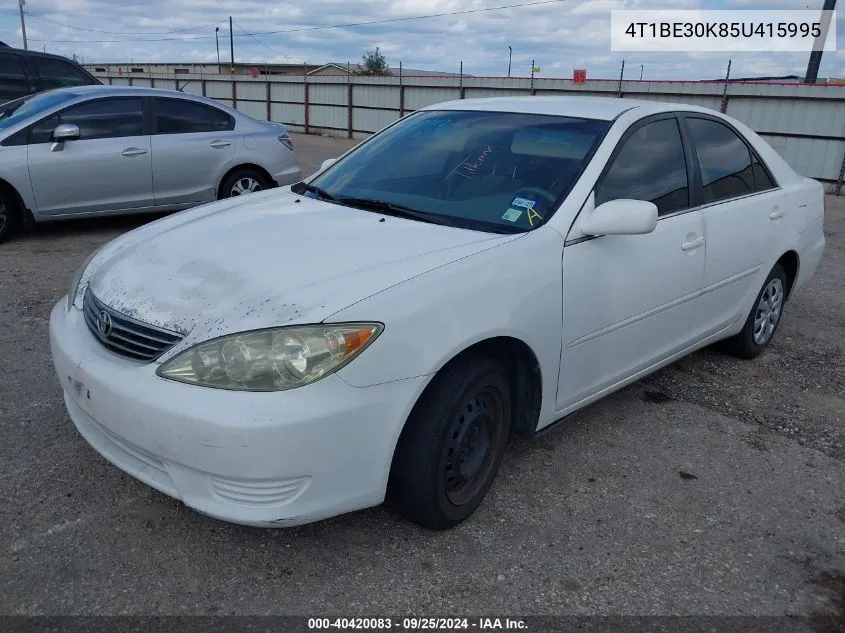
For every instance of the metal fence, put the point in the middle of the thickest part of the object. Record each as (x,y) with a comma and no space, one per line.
(804,123)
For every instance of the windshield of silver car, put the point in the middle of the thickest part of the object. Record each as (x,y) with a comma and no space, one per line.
(492,171)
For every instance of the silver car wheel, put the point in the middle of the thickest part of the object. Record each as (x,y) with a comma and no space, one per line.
(244,186)
(768,311)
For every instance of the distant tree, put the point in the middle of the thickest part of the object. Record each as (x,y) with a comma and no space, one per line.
(374,63)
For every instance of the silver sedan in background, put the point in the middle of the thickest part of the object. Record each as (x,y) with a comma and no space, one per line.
(97,150)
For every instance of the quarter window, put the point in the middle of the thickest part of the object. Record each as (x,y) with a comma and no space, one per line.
(724,161)
(650,166)
(174,116)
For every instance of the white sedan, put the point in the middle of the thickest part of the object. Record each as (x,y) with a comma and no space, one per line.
(477,270)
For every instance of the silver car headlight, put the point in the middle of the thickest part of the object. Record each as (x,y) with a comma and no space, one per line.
(274,359)
(73,289)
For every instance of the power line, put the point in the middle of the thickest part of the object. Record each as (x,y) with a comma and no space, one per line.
(82,28)
(319,28)
(270,48)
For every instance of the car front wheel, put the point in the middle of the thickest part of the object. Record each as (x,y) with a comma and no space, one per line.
(8,215)
(452,445)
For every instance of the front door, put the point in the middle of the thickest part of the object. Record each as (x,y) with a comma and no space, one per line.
(108,168)
(627,299)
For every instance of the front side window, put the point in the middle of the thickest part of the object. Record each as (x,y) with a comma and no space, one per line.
(104,118)
(651,166)
(497,171)
(175,116)
(55,73)
(724,160)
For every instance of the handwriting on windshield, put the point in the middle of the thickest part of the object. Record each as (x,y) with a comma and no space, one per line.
(468,167)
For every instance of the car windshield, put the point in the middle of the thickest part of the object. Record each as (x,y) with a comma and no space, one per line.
(20,109)
(491,171)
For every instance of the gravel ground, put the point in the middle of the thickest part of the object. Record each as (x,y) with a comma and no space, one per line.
(712,487)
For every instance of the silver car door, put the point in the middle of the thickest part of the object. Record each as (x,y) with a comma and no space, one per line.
(107,169)
(193,145)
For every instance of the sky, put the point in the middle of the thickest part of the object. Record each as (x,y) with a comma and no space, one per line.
(558,36)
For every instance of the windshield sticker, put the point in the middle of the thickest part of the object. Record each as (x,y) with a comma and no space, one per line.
(512,215)
(532,214)
(523,203)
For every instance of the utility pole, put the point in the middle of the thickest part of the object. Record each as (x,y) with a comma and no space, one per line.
(818,46)
(231,45)
(22,4)
(510,57)
(217,41)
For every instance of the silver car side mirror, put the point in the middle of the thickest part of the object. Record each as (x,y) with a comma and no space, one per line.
(62,133)
(328,163)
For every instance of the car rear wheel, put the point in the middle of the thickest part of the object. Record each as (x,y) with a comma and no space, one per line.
(452,445)
(243,182)
(763,320)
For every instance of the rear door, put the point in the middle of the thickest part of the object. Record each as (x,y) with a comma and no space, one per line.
(107,169)
(193,145)
(742,207)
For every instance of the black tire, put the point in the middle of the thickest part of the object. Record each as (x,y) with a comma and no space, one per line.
(9,215)
(466,412)
(237,180)
(747,344)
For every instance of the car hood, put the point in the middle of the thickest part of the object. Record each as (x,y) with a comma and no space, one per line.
(268,259)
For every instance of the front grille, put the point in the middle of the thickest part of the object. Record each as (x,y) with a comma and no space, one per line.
(124,335)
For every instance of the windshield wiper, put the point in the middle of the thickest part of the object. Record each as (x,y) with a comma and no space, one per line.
(392,208)
(302,186)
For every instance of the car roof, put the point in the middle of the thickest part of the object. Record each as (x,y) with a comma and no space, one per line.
(602,108)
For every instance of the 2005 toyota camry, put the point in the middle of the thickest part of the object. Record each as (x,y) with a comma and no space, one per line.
(479,269)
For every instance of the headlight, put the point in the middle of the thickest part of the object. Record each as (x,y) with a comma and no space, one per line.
(271,360)
(77,277)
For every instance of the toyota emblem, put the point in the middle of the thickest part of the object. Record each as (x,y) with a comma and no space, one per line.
(104,324)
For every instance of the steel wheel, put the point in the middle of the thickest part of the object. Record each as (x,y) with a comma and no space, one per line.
(244,186)
(769,309)
(475,429)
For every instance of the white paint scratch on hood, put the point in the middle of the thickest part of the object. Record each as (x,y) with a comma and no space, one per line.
(271,259)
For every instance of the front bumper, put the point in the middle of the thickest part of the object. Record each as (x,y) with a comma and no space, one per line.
(264,459)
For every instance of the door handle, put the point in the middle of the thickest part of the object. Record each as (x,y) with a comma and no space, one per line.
(692,244)
(777,214)
(220,144)
(133,151)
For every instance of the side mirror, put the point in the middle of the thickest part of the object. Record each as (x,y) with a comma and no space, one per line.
(328,163)
(64,132)
(621,217)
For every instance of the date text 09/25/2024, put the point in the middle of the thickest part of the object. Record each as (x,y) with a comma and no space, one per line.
(416,624)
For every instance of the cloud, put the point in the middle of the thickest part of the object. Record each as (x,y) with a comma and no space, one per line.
(557,37)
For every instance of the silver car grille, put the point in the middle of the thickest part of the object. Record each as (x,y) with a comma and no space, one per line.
(124,335)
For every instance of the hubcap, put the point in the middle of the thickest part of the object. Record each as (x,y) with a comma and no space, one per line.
(474,434)
(245,186)
(768,312)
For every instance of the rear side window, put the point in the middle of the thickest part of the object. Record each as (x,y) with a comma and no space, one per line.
(13,83)
(56,73)
(724,161)
(762,179)
(650,166)
(175,116)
